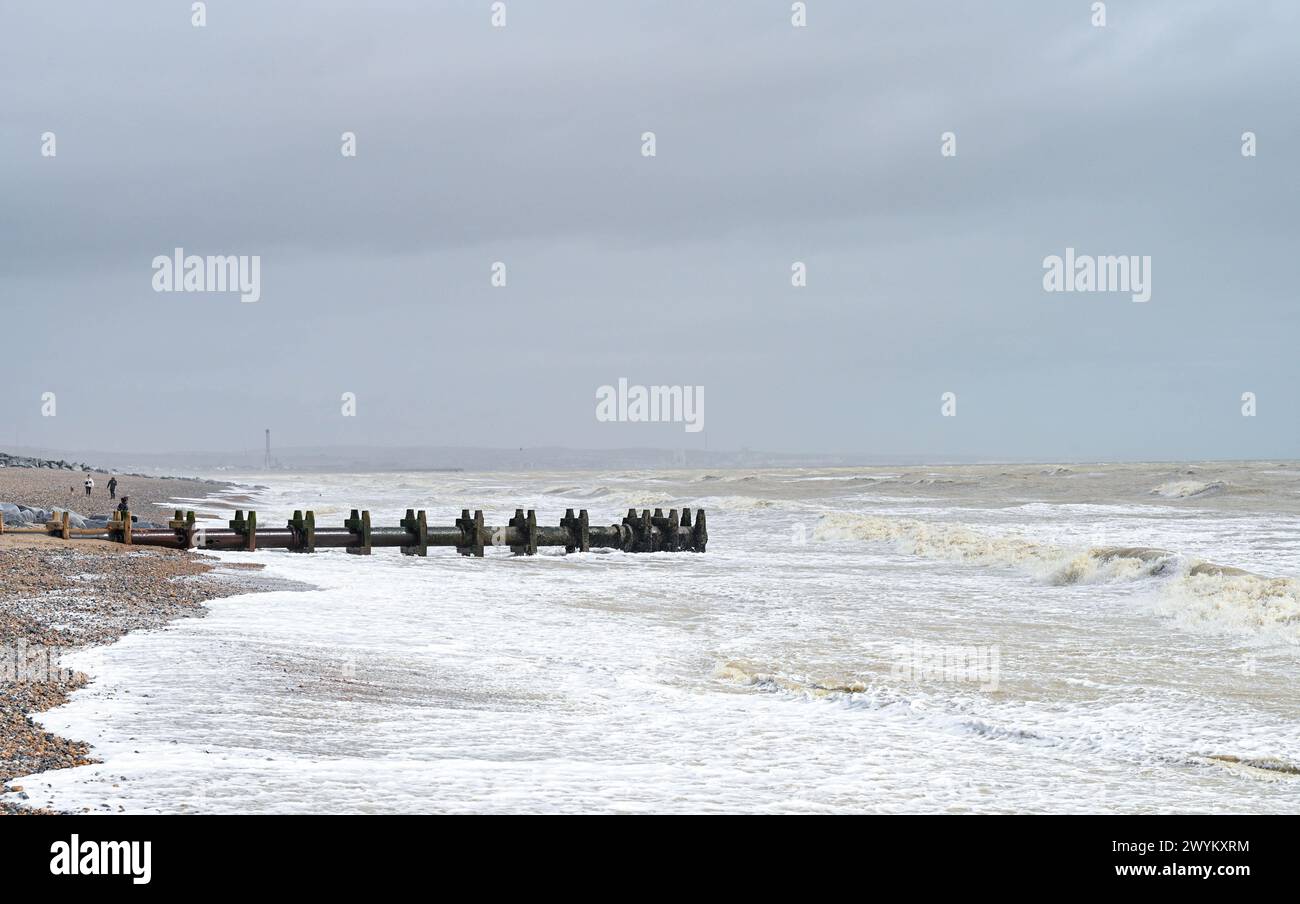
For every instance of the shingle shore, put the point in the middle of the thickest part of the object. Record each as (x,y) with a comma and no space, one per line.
(57,596)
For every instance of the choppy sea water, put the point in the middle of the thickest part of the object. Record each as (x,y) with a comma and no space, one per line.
(963,639)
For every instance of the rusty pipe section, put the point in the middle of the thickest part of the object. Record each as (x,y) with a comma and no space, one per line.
(470,536)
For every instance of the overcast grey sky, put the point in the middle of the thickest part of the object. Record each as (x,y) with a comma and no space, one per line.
(774,144)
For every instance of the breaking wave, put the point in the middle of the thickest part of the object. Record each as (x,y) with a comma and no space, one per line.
(1200,595)
(735,503)
(577,492)
(744,674)
(1187,489)
(1053,564)
(1258,767)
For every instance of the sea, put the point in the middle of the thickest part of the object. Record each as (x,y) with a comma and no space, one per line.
(1102,638)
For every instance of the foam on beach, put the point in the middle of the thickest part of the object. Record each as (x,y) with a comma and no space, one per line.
(764,676)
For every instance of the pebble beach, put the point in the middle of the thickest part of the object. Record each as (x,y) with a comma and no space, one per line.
(57,596)
(151,497)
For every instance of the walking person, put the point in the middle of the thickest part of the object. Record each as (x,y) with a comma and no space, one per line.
(89,484)
(112,488)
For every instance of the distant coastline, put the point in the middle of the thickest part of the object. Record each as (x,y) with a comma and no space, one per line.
(450,459)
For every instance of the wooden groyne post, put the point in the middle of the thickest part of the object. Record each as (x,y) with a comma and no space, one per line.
(245,528)
(119,528)
(417,525)
(359,524)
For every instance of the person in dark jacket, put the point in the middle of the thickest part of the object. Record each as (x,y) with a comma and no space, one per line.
(112,488)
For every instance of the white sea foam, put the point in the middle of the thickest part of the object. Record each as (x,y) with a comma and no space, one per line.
(760,676)
(1213,599)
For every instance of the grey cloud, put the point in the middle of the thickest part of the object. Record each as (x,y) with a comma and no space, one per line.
(775,144)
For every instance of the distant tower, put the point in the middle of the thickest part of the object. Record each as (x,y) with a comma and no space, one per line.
(267,463)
